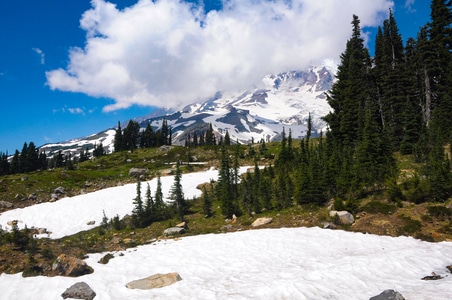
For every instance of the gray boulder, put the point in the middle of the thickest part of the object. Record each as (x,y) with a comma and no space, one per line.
(345,217)
(70,266)
(261,221)
(154,281)
(80,290)
(388,295)
(59,190)
(173,230)
(5,204)
(137,172)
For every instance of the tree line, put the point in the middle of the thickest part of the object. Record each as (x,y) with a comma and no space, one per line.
(398,102)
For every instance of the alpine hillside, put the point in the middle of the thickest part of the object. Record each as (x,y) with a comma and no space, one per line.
(282,101)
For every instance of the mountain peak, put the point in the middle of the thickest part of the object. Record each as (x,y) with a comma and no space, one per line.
(286,101)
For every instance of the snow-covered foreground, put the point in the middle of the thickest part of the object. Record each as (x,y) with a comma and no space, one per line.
(296,263)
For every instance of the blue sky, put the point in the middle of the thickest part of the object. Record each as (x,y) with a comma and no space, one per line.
(75,67)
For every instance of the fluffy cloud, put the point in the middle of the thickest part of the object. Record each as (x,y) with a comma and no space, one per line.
(167,53)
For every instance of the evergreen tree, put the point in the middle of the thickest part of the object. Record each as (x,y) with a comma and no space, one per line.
(161,209)
(227,139)
(207,203)
(177,194)
(131,135)
(118,143)
(99,150)
(14,167)
(350,91)
(4,164)
(391,80)
(149,207)
(138,210)
(440,39)
(224,185)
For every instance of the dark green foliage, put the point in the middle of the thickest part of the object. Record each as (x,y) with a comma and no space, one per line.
(226,187)
(177,194)
(118,143)
(131,137)
(138,211)
(378,207)
(410,226)
(99,150)
(441,212)
(207,203)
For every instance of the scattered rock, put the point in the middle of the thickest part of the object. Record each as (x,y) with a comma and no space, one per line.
(54,197)
(137,172)
(261,221)
(173,231)
(154,281)
(226,227)
(182,225)
(5,204)
(165,148)
(388,295)
(12,223)
(25,178)
(106,258)
(234,218)
(41,231)
(91,223)
(71,266)
(80,290)
(116,240)
(32,197)
(328,225)
(432,277)
(449,268)
(345,217)
(59,190)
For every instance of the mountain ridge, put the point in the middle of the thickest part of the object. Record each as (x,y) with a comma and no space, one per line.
(282,101)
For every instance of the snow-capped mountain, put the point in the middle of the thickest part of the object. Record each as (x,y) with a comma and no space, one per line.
(282,101)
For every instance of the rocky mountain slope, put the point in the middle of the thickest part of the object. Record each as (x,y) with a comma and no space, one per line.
(282,101)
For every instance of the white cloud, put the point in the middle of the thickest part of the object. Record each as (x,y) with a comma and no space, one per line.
(409,5)
(41,55)
(76,110)
(168,53)
(71,110)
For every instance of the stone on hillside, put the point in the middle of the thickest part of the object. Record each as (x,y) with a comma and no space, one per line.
(182,225)
(388,295)
(154,281)
(71,266)
(59,190)
(137,172)
(80,290)
(106,258)
(173,230)
(345,217)
(91,223)
(6,204)
(261,221)
(53,197)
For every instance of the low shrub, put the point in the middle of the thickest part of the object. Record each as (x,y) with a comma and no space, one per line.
(440,211)
(379,207)
(410,226)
